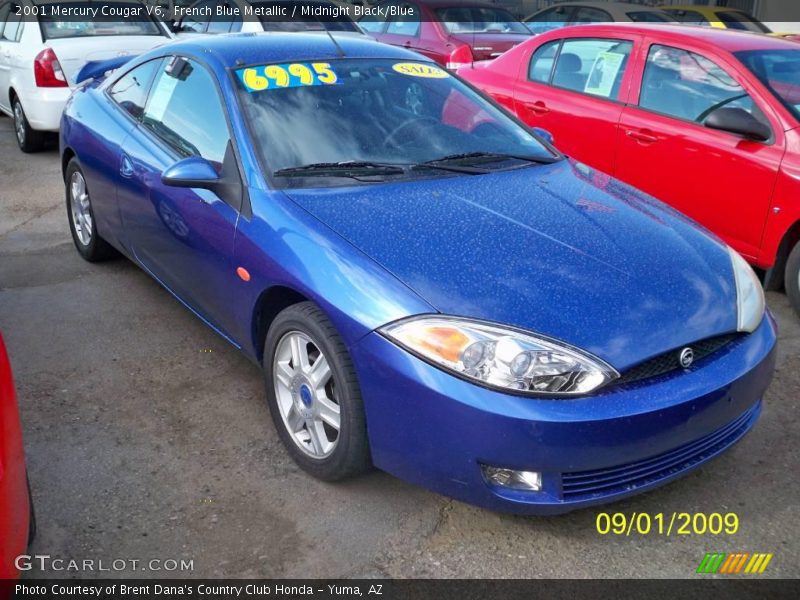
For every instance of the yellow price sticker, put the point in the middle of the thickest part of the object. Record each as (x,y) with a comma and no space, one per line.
(269,77)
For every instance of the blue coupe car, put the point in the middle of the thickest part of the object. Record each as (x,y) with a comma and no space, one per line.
(430,286)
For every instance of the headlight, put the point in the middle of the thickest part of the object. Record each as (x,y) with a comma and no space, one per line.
(749,294)
(501,357)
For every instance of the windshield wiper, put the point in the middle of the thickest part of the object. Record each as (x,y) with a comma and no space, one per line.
(348,168)
(490,157)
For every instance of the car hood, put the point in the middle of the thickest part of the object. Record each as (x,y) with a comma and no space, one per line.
(561,250)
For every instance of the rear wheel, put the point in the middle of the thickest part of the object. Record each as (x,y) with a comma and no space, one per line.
(792,278)
(28,139)
(82,223)
(313,394)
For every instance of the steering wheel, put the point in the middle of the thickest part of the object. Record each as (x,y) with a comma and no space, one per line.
(390,139)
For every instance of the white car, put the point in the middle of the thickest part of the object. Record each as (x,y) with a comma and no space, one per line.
(204,17)
(40,57)
(580,13)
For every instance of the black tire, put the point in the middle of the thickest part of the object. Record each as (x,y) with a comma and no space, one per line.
(32,514)
(28,139)
(792,278)
(350,455)
(95,248)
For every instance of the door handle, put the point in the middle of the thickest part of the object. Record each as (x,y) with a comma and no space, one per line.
(539,107)
(406,44)
(126,167)
(642,136)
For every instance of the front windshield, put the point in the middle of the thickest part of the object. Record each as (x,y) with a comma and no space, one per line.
(479,19)
(386,112)
(779,70)
(742,21)
(122,19)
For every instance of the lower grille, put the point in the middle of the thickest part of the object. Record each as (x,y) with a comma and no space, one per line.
(625,478)
(670,361)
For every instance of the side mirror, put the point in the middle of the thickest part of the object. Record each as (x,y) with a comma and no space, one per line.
(740,122)
(544,134)
(192,172)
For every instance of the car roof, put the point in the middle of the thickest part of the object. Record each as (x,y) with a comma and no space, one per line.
(727,39)
(242,49)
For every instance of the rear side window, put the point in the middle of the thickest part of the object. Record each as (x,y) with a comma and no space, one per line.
(130,91)
(549,19)
(593,66)
(689,86)
(541,66)
(174,114)
(586,14)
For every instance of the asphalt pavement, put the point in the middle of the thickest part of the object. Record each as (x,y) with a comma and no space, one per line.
(148,438)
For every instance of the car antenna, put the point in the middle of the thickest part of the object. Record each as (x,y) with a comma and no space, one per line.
(335,43)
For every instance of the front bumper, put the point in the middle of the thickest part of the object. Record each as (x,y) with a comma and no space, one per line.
(435,430)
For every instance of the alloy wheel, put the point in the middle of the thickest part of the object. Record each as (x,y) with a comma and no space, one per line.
(306,393)
(19,123)
(80,207)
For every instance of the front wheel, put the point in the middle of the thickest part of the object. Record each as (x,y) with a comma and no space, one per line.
(792,278)
(313,394)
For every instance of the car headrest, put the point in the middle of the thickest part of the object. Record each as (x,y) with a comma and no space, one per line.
(569,63)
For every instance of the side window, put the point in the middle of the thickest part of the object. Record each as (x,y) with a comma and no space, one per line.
(586,14)
(689,86)
(592,66)
(406,24)
(5,9)
(13,24)
(197,20)
(373,24)
(130,91)
(541,67)
(229,21)
(185,111)
(549,19)
(689,17)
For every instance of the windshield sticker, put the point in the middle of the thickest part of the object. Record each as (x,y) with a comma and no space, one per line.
(604,74)
(273,77)
(420,70)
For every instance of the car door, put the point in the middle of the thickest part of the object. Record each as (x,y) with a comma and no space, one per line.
(575,88)
(10,26)
(183,236)
(720,179)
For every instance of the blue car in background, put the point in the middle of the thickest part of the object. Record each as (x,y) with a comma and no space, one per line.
(430,286)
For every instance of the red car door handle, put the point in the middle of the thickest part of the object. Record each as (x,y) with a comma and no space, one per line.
(642,136)
(539,107)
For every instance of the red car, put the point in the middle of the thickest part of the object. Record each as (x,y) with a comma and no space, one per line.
(452,33)
(706,120)
(16,516)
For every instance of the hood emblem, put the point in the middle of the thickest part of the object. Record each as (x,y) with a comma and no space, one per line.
(686,358)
